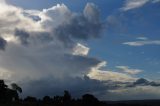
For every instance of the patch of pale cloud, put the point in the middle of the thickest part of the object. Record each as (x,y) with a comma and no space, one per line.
(11,18)
(2,1)
(110,75)
(54,16)
(5,74)
(80,50)
(142,38)
(128,70)
(142,43)
(133,4)
(91,12)
(104,75)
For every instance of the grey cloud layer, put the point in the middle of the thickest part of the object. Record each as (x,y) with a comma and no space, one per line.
(111,90)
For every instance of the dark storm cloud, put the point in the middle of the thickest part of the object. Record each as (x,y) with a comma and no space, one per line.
(22,35)
(143,82)
(3,43)
(84,62)
(81,26)
(77,86)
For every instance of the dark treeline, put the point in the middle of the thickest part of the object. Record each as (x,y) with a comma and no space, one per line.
(10,97)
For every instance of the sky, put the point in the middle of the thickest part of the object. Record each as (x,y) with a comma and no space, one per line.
(109,48)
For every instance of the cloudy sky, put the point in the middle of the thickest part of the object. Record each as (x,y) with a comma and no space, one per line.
(109,48)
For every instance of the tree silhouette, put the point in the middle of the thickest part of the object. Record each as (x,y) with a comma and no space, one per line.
(7,94)
(67,96)
(3,88)
(30,99)
(11,95)
(58,100)
(89,99)
(47,100)
(16,87)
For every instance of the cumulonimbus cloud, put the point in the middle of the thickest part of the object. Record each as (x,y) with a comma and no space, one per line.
(45,45)
(44,52)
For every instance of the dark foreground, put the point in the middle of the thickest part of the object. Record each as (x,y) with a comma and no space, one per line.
(10,97)
(79,102)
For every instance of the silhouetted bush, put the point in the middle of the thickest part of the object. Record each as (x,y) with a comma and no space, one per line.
(89,99)
(30,99)
(7,94)
(47,100)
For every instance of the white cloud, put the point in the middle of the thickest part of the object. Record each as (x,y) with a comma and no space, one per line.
(104,75)
(80,50)
(128,70)
(11,18)
(5,74)
(142,43)
(54,16)
(2,1)
(110,76)
(90,13)
(142,38)
(133,4)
